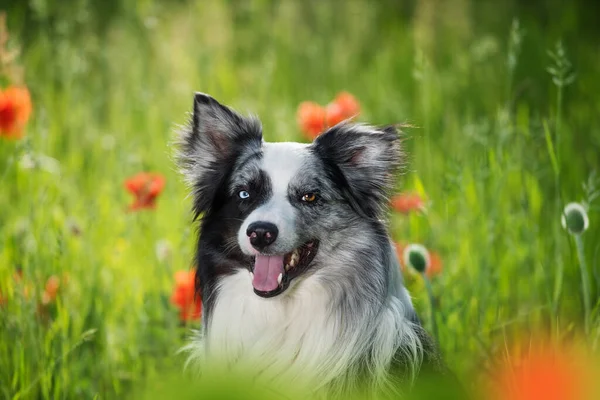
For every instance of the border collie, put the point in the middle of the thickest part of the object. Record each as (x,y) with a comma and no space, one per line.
(298,276)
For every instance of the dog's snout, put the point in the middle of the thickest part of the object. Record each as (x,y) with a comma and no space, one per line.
(262,234)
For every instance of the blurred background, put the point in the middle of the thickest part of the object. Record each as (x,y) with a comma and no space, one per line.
(504,99)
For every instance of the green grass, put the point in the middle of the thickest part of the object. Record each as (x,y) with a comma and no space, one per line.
(497,150)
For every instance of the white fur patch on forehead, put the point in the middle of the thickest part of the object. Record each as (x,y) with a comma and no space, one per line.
(282,162)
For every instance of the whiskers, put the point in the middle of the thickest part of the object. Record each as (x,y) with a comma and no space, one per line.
(230,245)
(234,219)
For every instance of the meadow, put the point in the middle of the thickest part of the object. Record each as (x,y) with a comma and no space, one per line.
(504,104)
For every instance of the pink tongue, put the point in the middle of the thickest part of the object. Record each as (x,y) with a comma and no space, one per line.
(266,272)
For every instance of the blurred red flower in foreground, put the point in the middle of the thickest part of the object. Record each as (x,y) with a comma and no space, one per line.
(146,187)
(407,202)
(15,109)
(433,266)
(543,373)
(184,296)
(314,118)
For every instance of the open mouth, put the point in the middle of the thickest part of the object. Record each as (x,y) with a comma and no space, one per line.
(272,275)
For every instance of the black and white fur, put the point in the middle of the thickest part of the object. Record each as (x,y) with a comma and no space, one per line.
(346,319)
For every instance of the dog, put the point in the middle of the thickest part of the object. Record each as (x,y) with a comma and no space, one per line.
(297,274)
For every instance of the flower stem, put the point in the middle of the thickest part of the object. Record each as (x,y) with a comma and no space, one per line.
(557,126)
(432,305)
(559,204)
(585,281)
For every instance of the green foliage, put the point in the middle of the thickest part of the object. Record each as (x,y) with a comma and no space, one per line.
(495,133)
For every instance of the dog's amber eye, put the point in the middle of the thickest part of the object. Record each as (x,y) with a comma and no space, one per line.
(309,197)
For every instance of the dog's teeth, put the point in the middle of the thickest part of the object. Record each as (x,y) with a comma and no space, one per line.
(279,278)
(252,275)
(295,258)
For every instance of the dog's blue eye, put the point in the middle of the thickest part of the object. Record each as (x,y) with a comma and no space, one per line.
(243,194)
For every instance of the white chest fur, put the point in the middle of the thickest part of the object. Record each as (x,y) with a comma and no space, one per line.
(300,338)
(294,333)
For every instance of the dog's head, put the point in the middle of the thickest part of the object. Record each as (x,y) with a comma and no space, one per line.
(271,207)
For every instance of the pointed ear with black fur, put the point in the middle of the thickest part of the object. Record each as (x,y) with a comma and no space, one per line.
(362,160)
(209,146)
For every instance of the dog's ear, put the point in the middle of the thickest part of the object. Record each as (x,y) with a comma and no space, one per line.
(363,161)
(209,146)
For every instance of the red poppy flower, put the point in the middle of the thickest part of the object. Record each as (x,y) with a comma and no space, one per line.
(146,187)
(543,373)
(314,119)
(184,296)
(311,118)
(344,107)
(15,109)
(407,203)
(334,114)
(51,289)
(348,104)
(435,266)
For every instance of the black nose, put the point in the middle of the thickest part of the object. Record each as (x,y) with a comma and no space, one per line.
(262,234)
